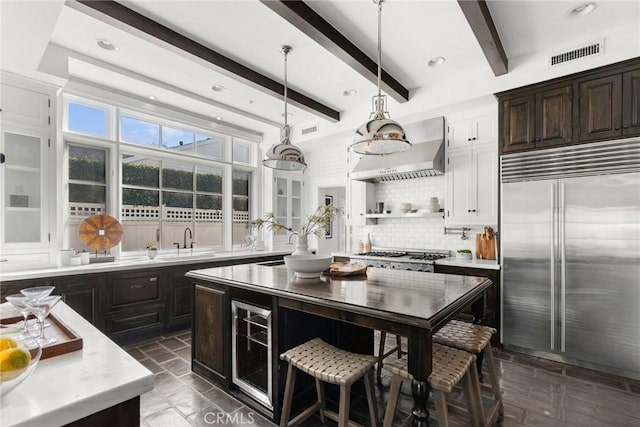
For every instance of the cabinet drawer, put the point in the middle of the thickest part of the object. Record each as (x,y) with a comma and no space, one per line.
(136,289)
(134,320)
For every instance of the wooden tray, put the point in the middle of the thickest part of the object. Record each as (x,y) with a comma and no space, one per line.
(68,340)
(347,269)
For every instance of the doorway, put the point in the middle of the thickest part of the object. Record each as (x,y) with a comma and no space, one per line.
(334,238)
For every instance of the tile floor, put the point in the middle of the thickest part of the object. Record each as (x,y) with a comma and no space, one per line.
(537,393)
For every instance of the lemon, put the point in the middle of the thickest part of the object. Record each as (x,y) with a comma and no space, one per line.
(13,362)
(7,343)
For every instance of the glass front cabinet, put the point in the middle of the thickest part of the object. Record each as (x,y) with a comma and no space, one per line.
(25,146)
(287,206)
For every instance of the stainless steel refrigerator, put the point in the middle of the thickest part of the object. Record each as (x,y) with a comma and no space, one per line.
(570,254)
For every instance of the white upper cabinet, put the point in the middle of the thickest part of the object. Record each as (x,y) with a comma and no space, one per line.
(472,170)
(469,131)
(25,145)
(360,197)
(287,205)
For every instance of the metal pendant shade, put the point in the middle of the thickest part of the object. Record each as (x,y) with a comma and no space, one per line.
(380,134)
(285,155)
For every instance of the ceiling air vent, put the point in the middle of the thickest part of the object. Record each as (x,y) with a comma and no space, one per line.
(591,49)
(309,130)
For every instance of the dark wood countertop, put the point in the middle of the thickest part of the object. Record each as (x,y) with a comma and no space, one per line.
(413,298)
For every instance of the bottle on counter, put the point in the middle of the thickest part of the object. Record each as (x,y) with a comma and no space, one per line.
(367,244)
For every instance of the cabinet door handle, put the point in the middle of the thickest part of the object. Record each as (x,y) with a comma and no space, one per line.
(2,158)
(153,279)
(137,286)
(625,126)
(616,128)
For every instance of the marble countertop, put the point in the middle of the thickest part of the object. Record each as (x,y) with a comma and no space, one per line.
(72,386)
(414,298)
(135,263)
(489,264)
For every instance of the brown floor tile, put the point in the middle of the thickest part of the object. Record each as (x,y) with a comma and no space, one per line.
(535,419)
(148,345)
(595,377)
(184,353)
(167,418)
(172,343)
(222,400)
(165,383)
(152,366)
(177,366)
(152,402)
(136,353)
(160,354)
(187,401)
(196,382)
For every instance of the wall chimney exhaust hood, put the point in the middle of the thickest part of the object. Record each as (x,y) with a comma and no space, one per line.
(424,158)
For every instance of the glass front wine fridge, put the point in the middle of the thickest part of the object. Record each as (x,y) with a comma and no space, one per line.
(251,351)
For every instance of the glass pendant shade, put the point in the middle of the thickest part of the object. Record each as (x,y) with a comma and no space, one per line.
(379,135)
(285,155)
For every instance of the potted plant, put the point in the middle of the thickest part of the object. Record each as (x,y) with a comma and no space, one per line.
(152,251)
(316,225)
(463,253)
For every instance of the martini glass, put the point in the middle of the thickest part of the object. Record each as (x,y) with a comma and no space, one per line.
(18,301)
(36,292)
(41,308)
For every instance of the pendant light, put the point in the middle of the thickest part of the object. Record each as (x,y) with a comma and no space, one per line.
(379,135)
(285,156)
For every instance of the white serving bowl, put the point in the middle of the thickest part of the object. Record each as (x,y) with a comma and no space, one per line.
(308,266)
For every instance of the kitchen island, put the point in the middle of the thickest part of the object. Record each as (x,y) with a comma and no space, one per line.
(408,303)
(99,384)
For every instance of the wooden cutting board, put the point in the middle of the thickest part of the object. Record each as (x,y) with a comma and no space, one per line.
(347,269)
(486,244)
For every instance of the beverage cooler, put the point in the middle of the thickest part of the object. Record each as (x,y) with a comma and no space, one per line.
(251,351)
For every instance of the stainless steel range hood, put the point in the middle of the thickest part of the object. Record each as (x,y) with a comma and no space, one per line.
(424,158)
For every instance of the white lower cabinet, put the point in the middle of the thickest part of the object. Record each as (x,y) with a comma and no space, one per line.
(472,185)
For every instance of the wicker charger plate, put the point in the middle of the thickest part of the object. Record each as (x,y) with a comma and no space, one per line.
(100,232)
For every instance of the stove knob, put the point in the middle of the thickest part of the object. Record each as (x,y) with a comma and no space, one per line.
(408,268)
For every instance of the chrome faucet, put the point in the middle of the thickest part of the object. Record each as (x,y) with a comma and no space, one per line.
(184,240)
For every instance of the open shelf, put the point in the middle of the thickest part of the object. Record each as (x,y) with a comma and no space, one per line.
(406,215)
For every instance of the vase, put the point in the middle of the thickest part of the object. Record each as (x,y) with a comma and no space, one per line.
(302,246)
(152,253)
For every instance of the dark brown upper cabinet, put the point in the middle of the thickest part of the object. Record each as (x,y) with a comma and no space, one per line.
(594,105)
(601,108)
(537,120)
(631,103)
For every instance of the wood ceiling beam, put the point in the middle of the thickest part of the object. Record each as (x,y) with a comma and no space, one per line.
(479,18)
(123,15)
(301,16)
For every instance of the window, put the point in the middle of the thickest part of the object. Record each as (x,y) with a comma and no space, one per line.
(86,120)
(161,199)
(241,211)
(172,176)
(87,188)
(139,132)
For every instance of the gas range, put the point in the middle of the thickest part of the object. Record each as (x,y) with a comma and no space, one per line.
(401,259)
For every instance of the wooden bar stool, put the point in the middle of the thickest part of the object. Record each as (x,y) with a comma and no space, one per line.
(331,365)
(450,366)
(382,355)
(475,339)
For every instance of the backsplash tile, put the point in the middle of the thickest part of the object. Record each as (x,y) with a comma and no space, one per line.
(413,233)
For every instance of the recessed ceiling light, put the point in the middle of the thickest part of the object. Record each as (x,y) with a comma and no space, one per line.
(218,118)
(438,60)
(152,97)
(218,88)
(349,92)
(106,44)
(582,10)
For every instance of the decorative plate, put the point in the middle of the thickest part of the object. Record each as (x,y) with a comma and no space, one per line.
(100,232)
